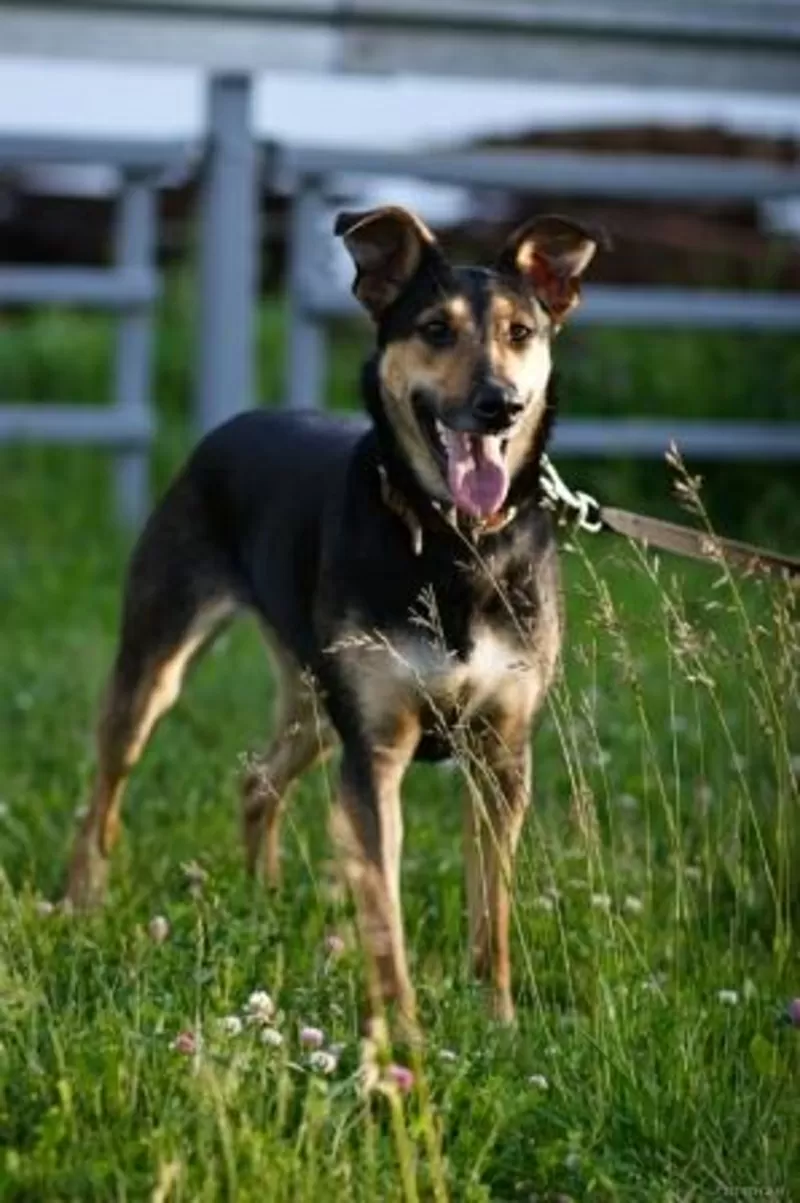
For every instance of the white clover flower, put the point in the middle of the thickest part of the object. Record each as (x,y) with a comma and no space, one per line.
(259,1007)
(729,998)
(231,1025)
(633,905)
(312,1037)
(271,1037)
(322,1061)
(447,1054)
(601,902)
(544,903)
(158,929)
(334,945)
(539,1081)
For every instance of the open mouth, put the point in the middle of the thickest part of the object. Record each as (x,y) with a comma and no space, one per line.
(475,467)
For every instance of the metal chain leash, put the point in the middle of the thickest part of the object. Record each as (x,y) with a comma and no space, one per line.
(557,494)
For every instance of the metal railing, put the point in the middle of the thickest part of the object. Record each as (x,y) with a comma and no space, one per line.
(751,46)
(310,175)
(128,288)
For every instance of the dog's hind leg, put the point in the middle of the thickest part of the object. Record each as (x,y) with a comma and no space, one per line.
(179,592)
(302,737)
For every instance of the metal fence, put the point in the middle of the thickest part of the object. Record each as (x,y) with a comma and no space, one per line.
(310,176)
(127,288)
(228,166)
(230,170)
(752,46)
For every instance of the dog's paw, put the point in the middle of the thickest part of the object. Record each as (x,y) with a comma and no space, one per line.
(502,1009)
(88,880)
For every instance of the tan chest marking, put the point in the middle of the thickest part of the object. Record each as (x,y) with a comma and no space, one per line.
(493,663)
(407,671)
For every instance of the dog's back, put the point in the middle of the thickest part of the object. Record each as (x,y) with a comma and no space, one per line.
(261,463)
(266,483)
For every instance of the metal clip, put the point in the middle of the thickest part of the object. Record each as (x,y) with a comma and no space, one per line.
(557,493)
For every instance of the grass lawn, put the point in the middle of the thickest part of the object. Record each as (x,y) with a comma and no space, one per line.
(656,908)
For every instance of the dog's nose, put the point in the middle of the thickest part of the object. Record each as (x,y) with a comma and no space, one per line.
(495,406)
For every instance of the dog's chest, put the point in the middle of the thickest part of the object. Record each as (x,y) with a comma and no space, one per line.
(494,664)
(454,641)
(415,671)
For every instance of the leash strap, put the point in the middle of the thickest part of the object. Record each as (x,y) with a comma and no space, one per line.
(590,516)
(696,544)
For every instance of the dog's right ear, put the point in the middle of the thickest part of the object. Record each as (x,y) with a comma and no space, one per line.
(387,246)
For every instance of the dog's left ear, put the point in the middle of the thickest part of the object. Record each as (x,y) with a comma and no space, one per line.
(551,254)
(387,246)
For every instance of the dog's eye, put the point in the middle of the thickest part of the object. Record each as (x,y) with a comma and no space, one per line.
(437,333)
(519,333)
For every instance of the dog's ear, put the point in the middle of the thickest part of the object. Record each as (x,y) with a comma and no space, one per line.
(551,254)
(387,246)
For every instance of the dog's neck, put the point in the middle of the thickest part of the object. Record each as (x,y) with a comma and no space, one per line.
(404,494)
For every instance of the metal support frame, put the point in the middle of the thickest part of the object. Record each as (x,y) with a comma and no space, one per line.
(128,288)
(547,172)
(135,252)
(641,308)
(307,339)
(724,442)
(746,45)
(228,255)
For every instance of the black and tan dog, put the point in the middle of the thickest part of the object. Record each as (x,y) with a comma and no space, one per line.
(405,573)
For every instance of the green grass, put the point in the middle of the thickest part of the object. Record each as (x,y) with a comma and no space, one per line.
(666,772)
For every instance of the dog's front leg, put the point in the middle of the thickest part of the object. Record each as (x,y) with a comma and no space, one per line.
(498,794)
(368,831)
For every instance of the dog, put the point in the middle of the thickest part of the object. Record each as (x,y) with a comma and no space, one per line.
(405,574)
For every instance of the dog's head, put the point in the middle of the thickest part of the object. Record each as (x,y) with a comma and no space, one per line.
(464,353)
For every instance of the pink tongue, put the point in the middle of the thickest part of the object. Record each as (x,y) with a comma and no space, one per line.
(476,473)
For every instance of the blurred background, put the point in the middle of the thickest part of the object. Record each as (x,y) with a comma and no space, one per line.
(169,172)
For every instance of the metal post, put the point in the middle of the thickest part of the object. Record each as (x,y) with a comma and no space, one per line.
(135,248)
(307,342)
(228,254)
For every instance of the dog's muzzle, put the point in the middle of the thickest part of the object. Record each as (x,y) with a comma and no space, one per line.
(494,408)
